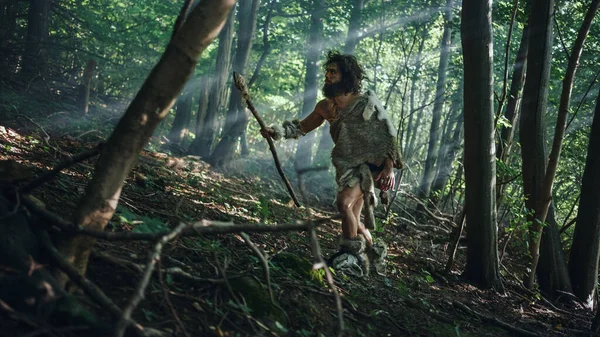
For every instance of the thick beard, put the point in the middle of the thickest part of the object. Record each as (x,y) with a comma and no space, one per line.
(331,90)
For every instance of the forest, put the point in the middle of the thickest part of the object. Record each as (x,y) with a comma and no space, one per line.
(138,196)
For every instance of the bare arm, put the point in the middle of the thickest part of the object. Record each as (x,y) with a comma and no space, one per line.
(315,119)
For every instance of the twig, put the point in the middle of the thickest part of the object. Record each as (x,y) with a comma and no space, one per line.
(519,283)
(262,259)
(46,137)
(439,218)
(240,84)
(166,293)
(88,132)
(320,263)
(138,294)
(222,271)
(506,326)
(200,227)
(139,268)
(455,240)
(48,176)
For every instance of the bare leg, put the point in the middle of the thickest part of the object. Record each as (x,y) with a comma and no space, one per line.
(346,201)
(361,227)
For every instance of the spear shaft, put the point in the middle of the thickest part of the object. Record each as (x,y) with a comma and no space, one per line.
(240,84)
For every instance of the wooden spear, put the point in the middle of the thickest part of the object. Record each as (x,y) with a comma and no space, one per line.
(240,84)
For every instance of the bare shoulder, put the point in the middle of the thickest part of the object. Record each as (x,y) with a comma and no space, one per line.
(324,108)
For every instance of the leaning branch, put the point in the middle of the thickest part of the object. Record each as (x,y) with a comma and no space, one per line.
(48,176)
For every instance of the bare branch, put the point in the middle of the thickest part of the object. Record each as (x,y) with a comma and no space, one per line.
(138,294)
(48,176)
(320,263)
(263,260)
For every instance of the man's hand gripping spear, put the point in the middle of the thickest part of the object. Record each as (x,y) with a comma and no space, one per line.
(240,84)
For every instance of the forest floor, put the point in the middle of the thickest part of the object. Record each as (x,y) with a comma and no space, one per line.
(414,298)
(215,285)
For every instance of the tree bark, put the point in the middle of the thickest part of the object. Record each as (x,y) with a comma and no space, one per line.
(512,107)
(181,123)
(202,145)
(83,99)
(585,249)
(543,203)
(149,107)
(535,101)
(438,107)
(35,57)
(237,119)
(479,156)
(314,49)
(202,105)
(354,25)
(450,147)
(411,128)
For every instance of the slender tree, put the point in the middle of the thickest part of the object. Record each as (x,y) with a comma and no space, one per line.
(83,98)
(181,123)
(438,107)
(35,56)
(314,50)
(585,249)
(354,25)
(202,105)
(450,146)
(202,145)
(514,98)
(479,155)
(236,118)
(411,128)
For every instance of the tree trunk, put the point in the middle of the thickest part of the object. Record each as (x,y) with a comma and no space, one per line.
(512,108)
(411,128)
(35,57)
(413,131)
(504,146)
(266,45)
(237,119)
(543,203)
(479,156)
(535,100)
(314,47)
(83,99)
(181,123)
(202,105)
(202,145)
(354,25)
(585,249)
(438,107)
(149,107)
(450,147)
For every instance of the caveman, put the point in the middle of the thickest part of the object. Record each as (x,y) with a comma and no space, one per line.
(364,155)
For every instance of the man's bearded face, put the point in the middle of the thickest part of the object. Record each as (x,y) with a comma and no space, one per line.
(331,90)
(333,86)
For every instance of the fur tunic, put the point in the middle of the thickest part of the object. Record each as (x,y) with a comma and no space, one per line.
(362,134)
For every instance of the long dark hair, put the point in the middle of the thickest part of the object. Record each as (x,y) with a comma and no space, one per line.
(352,72)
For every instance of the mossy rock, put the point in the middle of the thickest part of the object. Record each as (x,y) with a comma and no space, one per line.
(300,266)
(256,296)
